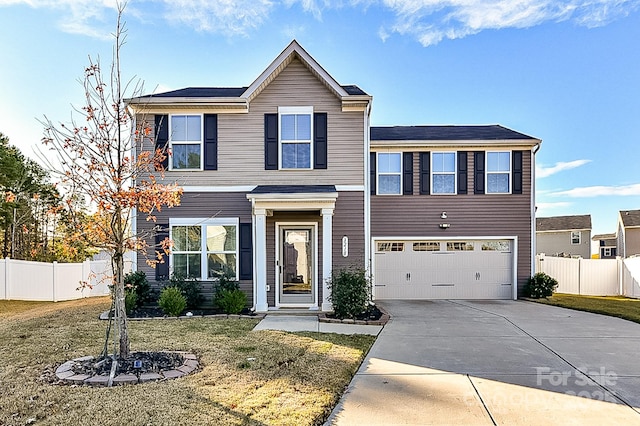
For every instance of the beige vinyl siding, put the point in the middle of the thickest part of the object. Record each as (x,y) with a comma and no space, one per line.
(554,243)
(469,215)
(197,205)
(241,138)
(632,239)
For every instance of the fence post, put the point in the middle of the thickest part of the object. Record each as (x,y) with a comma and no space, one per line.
(620,269)
(54,280)
(579,275)
(7,275)
(86,271)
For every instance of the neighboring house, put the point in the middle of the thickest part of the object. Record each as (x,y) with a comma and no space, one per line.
(606,245)
(285,181)
(628,236)
(564,236)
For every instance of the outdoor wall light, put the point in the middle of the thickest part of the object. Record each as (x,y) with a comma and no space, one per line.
(443,215)
(445,225)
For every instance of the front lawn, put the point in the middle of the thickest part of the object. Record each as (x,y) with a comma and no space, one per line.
(615,306)
(247,378)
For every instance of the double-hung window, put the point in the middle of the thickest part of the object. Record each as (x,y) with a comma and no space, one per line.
(576,237)
(186,142)
(498,172)
(389,173)
(296,128)
(443,172)
(204,249)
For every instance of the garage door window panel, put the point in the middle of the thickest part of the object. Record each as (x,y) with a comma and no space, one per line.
(501,246)
(390,246)
(426,246)
(459,246)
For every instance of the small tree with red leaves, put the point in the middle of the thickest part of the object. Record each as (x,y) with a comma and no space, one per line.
(108,159)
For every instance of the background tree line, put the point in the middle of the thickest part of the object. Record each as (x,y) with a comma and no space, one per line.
(35,219)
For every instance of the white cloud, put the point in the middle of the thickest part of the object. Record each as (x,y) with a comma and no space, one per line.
(543,171)
(600,190)
(549,209)
(427,21)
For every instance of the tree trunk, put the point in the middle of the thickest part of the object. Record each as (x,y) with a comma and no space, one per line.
(120,308)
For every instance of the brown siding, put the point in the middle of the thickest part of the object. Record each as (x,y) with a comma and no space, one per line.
(241,138)
(469,215)
(199,205)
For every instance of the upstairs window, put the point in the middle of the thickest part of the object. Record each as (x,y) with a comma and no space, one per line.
(389,173)
(295,137)
(498,172)
(576,237)
(186,142)
(443,173)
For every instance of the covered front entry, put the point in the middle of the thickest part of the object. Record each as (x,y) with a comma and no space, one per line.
(296,265)
(298,281)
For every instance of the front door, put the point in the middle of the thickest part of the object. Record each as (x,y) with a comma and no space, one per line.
(296,266)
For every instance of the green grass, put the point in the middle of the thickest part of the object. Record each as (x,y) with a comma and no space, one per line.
(615,306)
(247,378)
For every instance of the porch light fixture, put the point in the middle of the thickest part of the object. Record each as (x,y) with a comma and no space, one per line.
(445,225)
(443,215)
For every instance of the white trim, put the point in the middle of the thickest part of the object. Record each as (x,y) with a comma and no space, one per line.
(205,188)
(278,283)
(260,260)
(514,251)
(367,193)
(351,188)
(327,257)
(203,223)
(200,143)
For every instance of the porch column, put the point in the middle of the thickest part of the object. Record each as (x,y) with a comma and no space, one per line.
(327,256)
(260,252)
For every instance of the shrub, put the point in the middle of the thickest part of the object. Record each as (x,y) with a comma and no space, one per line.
(228,297)
(172,301)
(540,285)
(350,292)
(137,282)
(190,288)
(130,300)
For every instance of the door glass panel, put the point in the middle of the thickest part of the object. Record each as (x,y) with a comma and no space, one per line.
(296,262)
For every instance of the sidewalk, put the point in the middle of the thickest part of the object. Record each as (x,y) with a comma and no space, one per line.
(293,323)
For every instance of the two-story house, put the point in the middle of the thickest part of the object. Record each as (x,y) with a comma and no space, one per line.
(285,181)
(628,234)
(564,236)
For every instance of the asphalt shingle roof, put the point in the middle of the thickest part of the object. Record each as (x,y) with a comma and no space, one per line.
(630,217)
(599,237)
(563,223)
(226,92)
(426,133)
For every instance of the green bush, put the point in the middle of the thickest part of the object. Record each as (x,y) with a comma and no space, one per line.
(350,292)
(172,301)
(137,283)
(130,300)
(228,297)
(540,285)
(190,288)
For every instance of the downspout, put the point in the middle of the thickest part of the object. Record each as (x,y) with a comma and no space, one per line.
(367,190)
(534,151)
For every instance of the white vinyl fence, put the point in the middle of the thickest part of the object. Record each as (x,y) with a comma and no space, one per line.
(24,280)
(593,277)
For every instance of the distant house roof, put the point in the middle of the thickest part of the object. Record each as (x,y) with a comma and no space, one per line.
(563,223)
(630,218)
(603,237)
(434,133)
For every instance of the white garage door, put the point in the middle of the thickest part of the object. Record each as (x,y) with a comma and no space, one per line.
(430,269)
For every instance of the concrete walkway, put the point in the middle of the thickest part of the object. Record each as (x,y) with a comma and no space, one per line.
(311,323)
(496,363)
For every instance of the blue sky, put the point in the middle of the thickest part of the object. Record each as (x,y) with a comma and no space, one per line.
(567,72)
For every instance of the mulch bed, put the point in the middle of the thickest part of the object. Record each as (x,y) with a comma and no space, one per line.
(372,316)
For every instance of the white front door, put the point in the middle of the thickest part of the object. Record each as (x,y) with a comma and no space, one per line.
(296,266)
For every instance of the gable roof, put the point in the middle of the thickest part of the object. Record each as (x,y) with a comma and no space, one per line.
(238,98)
(599,237)
(446,133)
(563,223)
(630,218)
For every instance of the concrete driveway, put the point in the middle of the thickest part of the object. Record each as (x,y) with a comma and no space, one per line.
(496,363)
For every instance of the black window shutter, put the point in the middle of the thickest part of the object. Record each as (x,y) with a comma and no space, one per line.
(210,142)
(425,173)
(516,174)
(320,140)
(162,137)
(478,170)
(271,141)
(246,252)
(462,172)
(162,269)
(407,173)
(372,172)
